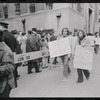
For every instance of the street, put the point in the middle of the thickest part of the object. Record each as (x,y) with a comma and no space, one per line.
(49,82)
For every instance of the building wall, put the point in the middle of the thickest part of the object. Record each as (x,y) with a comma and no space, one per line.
(47,19)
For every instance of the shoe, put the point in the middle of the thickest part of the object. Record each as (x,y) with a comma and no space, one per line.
(87,77)
(18,75)
(30,72)
(46,67)
(43,67)
(64,79)
(38,71)
(79,81)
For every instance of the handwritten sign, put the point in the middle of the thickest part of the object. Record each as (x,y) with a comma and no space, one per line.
(83,57)
(59,47)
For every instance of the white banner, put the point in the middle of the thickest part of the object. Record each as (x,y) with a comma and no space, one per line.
(83,57)
(59,47)
(30,56)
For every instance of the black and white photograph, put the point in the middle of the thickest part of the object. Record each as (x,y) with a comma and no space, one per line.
(49,50)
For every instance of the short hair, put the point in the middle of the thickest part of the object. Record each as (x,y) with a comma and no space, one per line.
(84,35)
(65,29)
(1,36)
(34,29)
(14,32)
(96,33)
(89,34)
(23,33)
(29,32)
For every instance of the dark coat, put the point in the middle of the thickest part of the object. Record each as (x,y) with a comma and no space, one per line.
(53,38)
(18,51)
(31,46)
(10,40)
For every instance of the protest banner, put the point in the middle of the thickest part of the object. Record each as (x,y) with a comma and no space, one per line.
(59,47)
(30,56)
(83,57)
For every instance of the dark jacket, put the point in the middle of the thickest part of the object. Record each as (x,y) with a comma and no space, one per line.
(31,44)
(18,51)
(6,67)
(10,40)
(53,38)
(18,48)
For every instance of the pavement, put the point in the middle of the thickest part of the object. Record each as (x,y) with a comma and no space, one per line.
(49,82)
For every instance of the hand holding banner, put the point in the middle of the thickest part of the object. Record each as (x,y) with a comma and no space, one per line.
(83,57)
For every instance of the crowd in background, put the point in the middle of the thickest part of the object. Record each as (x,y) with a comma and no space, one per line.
(18,42)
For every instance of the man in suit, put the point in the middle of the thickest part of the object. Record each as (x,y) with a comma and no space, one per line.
(31,46)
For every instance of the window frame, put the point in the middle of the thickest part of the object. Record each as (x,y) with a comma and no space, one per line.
(17,8)
(5,10)
(32,8)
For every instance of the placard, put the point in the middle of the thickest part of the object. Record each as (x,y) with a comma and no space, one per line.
(59,47)
(83,57)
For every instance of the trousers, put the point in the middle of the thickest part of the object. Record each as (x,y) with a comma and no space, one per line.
(80,74)
(31,65)
(65,61)
(6,92)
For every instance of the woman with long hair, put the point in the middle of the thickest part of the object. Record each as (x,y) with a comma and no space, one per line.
(84,42)
(65,58)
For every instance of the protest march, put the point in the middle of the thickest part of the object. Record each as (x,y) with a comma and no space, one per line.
(57,43)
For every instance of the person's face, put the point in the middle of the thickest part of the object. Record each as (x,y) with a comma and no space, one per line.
(65,33)
(16,36)
(80,34)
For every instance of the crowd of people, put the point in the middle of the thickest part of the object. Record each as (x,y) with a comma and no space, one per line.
(17,42)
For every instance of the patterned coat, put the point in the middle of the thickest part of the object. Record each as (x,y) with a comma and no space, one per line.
(6,67)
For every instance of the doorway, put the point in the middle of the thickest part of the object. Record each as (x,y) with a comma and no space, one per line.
(90,21)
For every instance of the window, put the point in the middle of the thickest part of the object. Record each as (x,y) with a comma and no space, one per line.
(49,6)
(73,5)
(80,7)
(32,7)
(1,11)
(5,10)
(17,8)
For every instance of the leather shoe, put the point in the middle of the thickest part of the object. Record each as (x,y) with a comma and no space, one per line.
(38,71)
(79,81)
(30,72)
(87,77)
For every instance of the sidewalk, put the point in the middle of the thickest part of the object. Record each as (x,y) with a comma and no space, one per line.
(49,83)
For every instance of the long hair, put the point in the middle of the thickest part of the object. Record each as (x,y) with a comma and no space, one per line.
(65,29)
(1,36)
(80,39)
